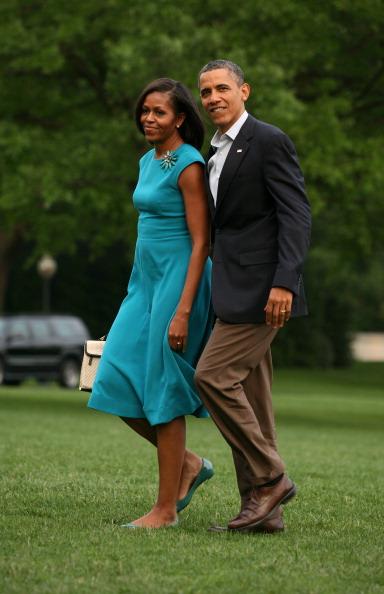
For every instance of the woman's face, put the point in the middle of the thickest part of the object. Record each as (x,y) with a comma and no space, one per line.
(158,118)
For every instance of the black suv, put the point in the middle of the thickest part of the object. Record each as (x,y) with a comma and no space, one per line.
(45,347)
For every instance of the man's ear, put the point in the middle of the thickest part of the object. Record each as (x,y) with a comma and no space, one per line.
(245,91)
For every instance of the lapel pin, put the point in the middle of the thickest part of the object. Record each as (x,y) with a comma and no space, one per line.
(239,150)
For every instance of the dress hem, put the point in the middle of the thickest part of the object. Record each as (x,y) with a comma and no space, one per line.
(154,421)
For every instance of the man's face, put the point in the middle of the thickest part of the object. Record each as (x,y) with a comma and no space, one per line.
(222,97)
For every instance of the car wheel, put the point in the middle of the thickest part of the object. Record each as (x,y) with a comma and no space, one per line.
(3,380)
(69,373)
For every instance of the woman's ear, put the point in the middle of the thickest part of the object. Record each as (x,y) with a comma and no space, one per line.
(180,119)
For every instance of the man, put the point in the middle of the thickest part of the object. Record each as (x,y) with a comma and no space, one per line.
(261,225)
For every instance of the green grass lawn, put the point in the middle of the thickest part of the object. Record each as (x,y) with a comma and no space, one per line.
(70,477)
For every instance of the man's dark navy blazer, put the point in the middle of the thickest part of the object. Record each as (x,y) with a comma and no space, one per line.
(261,225)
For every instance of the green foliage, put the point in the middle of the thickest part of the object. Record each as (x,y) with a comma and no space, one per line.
(70,73)
(322,339)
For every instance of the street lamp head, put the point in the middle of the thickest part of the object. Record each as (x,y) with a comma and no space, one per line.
(46,266)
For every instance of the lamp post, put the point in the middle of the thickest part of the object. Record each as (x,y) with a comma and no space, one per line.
(46,267)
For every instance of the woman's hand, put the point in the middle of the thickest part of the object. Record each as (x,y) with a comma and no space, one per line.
(178,332)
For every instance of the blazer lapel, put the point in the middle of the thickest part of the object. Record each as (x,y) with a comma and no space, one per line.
(235,156)
(211,202)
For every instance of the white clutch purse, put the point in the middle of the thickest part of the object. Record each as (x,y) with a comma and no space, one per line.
(93,349)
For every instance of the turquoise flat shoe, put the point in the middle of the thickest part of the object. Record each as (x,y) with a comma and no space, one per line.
(206,472)
(132,526)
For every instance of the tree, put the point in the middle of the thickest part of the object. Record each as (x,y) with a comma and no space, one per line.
(70,74)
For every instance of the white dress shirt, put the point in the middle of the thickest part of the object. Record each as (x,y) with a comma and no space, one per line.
(222,143)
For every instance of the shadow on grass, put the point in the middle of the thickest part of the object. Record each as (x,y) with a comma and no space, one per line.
(15,401)
(348,381)
(353,420)
(361,422)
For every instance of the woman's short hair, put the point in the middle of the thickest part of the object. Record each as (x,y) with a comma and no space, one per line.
(182,101)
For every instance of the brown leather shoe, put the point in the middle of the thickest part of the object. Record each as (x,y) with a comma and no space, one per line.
(263,503)
(273,524)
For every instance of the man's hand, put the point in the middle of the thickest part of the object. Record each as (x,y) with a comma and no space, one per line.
(278,308)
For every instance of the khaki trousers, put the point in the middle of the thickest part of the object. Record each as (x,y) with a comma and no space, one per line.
(234,378)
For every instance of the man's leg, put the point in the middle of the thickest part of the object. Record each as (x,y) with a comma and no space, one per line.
(257,387)
(233,352)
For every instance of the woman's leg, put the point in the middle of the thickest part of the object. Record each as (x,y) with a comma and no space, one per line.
(191,463)
(171,454)
(142,428)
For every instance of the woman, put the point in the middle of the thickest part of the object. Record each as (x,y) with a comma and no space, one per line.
(146,373)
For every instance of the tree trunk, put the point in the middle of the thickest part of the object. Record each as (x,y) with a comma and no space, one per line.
(8,243)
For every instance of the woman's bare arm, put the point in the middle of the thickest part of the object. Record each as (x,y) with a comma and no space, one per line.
(191,184)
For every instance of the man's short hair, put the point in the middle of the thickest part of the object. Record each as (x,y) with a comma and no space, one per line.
(228,65)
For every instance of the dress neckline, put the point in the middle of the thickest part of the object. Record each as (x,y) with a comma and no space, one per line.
(160,159)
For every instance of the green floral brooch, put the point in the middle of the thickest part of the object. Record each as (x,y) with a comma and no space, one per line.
(168,160)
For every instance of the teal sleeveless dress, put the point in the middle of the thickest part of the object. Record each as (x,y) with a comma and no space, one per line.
(139,375)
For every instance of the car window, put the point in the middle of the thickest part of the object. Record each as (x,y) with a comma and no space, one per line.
(67,327)
(40,328)
(18,328)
